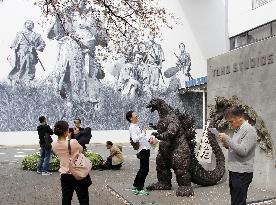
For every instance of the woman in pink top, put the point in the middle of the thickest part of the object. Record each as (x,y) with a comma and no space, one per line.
(68,182)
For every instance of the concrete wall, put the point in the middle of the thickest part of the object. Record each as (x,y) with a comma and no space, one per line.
(241,16)
(250,74)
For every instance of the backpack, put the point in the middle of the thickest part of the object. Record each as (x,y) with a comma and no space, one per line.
(135,145)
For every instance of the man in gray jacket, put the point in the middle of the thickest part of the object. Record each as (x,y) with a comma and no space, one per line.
(241,152)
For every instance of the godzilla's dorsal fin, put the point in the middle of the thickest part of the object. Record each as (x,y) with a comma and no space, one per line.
(187,123)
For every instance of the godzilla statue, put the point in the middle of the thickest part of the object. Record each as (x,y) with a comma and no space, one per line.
(176,133)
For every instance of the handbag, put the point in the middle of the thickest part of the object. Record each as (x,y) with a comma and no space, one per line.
(79,166)
(135,145)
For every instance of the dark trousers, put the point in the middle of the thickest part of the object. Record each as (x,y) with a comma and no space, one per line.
(239,183)
(108,164)
(69,184)
(141,175)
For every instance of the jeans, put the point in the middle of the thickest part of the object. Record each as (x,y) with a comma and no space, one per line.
(43,164)
(239,183)
(144,169)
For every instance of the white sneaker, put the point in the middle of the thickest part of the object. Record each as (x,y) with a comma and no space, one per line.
(46,173)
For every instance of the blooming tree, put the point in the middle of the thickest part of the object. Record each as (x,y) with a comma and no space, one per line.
(126,21)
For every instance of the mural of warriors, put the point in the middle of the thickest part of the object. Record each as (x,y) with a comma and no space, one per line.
(180,73)
(76,62)
(144,74)
(140,49)
(154,59)
(128,83)
(25,57)
(184,61)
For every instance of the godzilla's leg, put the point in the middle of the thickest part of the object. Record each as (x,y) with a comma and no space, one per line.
(163,168)
(180,165)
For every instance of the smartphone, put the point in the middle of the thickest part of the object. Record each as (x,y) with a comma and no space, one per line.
(214,131)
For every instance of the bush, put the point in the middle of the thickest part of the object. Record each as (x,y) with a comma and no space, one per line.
(30,162)
(95,158)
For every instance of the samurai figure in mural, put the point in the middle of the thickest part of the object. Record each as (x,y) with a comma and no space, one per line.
(184,61)
(134,77)
(25,57)
(180,73)
(128,83)
(183,65)
(77,67)
(154,59)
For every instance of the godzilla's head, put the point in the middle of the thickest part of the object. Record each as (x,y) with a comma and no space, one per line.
(155,104)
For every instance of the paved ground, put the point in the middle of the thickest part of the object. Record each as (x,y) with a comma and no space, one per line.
(109,187)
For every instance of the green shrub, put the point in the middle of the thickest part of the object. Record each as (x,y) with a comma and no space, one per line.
(95,158)
(30,161)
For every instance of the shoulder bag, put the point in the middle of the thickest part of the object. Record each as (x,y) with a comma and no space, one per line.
(79,166)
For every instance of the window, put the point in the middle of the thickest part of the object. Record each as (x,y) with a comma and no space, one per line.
(259,33)
(258,3)
(254,35)
(274,28)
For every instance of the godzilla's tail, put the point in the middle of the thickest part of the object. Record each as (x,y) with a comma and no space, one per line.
(207,178)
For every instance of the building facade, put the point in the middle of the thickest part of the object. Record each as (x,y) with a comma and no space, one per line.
(247,71)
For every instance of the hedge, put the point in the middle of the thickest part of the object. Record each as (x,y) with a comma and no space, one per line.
(30,161)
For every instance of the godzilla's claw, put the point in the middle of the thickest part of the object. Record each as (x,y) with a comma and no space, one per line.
(155,134)
(184,191)
(152,126)
(159,186)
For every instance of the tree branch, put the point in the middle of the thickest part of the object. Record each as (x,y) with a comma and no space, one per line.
(134,10)
(113,13)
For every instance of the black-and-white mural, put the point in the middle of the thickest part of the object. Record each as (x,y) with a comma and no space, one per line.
(94,60)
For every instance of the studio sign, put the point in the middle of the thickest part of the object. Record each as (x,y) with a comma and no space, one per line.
(244,65)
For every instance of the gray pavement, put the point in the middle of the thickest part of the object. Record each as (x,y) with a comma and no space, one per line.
(109,187)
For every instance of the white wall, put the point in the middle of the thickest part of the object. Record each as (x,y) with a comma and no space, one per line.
(241,16)
(208,22)
(31,137)
(182,33)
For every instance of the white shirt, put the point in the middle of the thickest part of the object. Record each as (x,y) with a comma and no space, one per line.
(137,135)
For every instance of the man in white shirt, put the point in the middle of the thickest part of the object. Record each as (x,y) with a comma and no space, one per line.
(138,135)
